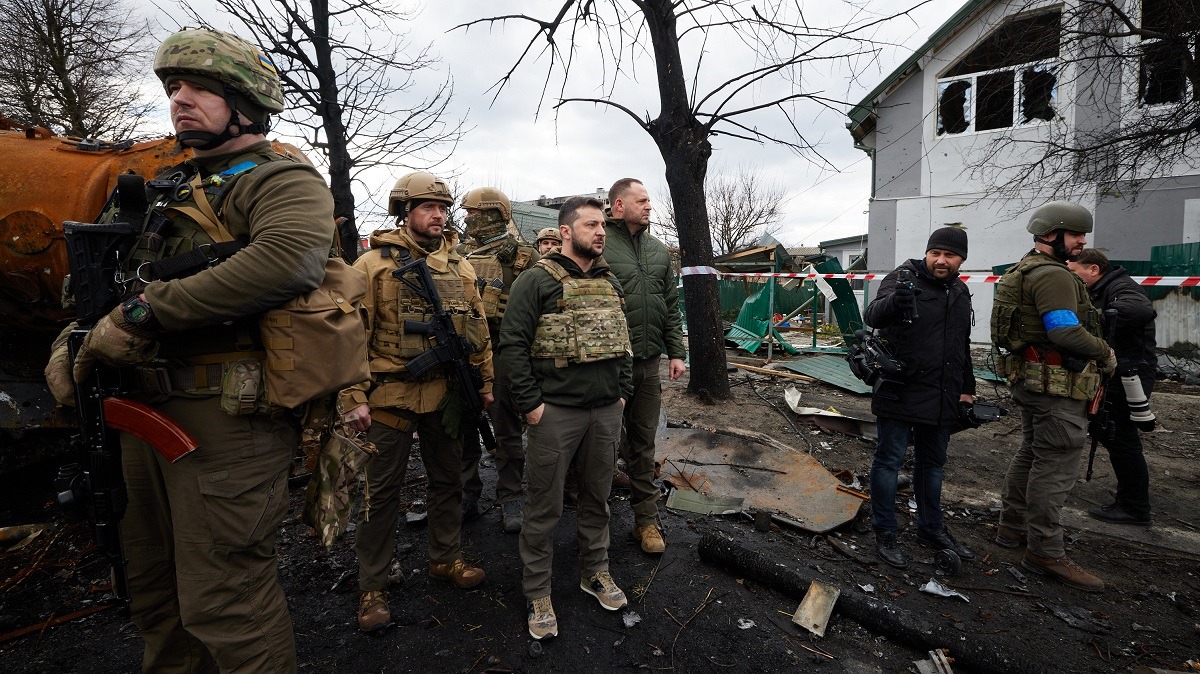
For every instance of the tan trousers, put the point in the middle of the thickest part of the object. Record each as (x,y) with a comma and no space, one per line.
(378,515)
(566,434)
(637,449)
(1042,472)
(200,538)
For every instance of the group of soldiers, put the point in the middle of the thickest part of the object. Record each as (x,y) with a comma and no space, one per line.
(1048,335)
(567,338)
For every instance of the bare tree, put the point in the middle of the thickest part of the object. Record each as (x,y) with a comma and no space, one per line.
(1116,83)
(742,206)
(780,45)
(74,66)
(351,87)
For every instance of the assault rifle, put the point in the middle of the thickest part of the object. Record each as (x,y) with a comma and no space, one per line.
(95,485)
(450,349)
(1100,423)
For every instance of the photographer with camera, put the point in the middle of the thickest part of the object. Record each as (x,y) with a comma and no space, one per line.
(923,313)
(1110,287)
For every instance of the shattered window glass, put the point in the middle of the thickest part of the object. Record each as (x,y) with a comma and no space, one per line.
(1162,74)
(995,101)
(1039,93)
(954,106)
(1016,42)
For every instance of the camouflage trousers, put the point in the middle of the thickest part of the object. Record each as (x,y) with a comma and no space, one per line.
(378,515)
(200,538)
(510,450)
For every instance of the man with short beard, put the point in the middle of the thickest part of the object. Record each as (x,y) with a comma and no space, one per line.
(565,346)
(927,324)
(1053,356)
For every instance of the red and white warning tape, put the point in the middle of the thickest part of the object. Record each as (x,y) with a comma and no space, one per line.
(1161,281)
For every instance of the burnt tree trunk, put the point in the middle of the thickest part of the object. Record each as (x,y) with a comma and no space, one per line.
(337,149)
(683,142)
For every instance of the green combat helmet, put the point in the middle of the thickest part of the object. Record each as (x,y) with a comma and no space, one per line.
(495,210)
(418,185)
(228,66)
(1060,215)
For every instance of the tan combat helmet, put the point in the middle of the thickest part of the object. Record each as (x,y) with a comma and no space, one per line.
(417,185)
(495,212)
(548,233)
(1060,215)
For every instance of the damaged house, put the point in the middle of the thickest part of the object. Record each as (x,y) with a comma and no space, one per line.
(1010,104)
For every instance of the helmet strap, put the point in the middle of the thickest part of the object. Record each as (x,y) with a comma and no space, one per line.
(233,129)
(1058,248)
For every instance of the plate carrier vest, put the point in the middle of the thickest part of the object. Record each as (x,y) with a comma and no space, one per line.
(590,325)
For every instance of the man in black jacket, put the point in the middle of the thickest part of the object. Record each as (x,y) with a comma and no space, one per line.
(927,325)
(1111,288)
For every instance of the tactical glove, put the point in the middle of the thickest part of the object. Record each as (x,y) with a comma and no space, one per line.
(110,343)
(1109,364)
(58,370)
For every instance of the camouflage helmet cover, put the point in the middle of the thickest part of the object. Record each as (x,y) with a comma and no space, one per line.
(548,233)
(222,57)
(1060,215)
(417,185)
(484,198)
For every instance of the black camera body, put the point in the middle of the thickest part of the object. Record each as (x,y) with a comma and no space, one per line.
(873,363)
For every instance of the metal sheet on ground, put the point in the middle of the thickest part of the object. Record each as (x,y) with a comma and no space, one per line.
(790,483)
(829,369)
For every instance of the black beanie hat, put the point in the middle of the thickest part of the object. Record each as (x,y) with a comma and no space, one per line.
(949,239)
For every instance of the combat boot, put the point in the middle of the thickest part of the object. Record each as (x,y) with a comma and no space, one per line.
(651,539)
(458,572)
(1010,538)
(373,610)
(1064,569)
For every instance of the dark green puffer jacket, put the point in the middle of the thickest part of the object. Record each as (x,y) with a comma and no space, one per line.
(643,266)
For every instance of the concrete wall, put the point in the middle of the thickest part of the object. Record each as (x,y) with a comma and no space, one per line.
(898,145)
(1165,211)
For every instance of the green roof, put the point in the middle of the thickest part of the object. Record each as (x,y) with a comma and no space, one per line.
(532,219)
(862,113)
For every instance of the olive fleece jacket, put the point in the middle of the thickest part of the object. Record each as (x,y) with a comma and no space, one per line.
(1053,288)
(536,380)
(642,264)
(418,397)
(284,211)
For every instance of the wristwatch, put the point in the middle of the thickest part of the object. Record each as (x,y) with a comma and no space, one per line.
(137,312)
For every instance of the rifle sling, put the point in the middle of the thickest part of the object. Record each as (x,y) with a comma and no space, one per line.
(186,264)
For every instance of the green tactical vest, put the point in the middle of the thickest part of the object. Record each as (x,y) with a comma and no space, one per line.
(1016,322)
(590,325)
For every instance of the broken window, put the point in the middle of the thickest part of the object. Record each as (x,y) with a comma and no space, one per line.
(1014,76)
(1163,75)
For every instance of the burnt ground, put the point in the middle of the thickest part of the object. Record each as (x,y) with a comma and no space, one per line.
(694,616)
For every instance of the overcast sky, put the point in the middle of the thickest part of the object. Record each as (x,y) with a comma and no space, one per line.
(582,147)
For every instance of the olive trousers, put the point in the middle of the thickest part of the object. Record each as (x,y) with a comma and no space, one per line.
(200,538)
(378,515)
(637,448)
(1045,467)
(564,435)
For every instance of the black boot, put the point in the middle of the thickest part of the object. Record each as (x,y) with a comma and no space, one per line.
(889,549)
(942,540)
(1117,514)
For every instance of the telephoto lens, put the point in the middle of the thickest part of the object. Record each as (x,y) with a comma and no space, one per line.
(1139,405)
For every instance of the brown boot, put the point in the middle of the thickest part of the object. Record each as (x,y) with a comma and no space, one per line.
(650,538)
(458,572)
(1009,537)
(373,611)
(1064,569)
(621,480)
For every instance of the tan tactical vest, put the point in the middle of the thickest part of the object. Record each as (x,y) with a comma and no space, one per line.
(496,265)
(1017,325)
(590,325)
(396,303)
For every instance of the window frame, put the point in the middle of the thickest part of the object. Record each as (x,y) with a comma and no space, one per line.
(1052,64)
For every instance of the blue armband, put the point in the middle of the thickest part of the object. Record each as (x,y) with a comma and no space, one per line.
(1059,318)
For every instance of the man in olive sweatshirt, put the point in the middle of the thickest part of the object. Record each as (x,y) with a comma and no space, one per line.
(643,265)
(565,346)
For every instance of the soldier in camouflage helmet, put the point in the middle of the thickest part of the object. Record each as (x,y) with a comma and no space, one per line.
(497,257)
(200,533)
(565,346)
(394,403)
(1053,355)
